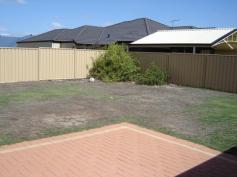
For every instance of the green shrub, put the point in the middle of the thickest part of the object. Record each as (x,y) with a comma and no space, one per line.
(118,65)
(115,65)
(152,76)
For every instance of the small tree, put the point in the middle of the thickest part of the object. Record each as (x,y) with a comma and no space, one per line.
(115,65)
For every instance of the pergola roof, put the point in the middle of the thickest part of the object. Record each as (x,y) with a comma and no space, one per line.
(228,42)
(186,36)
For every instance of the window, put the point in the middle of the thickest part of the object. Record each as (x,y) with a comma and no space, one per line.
(55,45)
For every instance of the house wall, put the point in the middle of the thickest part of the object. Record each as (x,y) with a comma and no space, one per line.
(97,47)
(34,44)
(68,45)
(47,44)
(171,49)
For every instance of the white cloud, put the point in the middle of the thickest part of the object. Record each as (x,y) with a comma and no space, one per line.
(4,34)
(13,1)
(107,24)
(21,1)
(3,29)
(56,25)
(27,33)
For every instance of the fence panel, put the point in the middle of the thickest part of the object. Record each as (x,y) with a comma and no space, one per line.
(18,64)
(56,64)
(187,69)
(84,60)
(221,73)
(146,59)
(218,72)
(22,64)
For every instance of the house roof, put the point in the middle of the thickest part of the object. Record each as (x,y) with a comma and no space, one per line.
(48,36)
(89,35)
(185,27)
(130,30)
(185,36)
(126,31)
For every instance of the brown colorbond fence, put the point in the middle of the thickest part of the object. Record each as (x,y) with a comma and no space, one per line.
(25,64)
(217,72)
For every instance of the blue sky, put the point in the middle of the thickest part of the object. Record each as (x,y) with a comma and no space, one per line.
(22,17)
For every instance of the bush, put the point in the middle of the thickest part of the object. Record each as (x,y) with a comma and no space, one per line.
(152,76)
(115,65)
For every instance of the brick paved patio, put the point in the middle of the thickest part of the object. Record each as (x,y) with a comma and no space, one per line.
(120,150)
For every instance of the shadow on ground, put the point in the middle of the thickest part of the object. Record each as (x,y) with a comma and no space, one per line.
(224,165)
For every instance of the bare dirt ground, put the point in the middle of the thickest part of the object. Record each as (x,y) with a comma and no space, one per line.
(161,108)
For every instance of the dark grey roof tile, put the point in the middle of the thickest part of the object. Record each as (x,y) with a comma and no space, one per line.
(127,31)
(48,36)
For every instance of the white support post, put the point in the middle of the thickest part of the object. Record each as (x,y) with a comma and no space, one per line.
(194,50)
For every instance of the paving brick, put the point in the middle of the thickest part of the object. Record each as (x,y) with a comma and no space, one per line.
(122,150)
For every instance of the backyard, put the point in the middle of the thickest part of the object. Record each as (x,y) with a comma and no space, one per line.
(35,110)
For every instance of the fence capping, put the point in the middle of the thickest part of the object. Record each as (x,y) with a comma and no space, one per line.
(165,53)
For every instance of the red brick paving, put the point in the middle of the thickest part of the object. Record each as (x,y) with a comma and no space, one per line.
(122,150)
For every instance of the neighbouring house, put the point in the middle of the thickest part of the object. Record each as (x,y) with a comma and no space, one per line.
(204,41)
(97,37)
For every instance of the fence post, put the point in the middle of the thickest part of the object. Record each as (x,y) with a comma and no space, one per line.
(204,71)
(74,63)
(38,64)
(168,67)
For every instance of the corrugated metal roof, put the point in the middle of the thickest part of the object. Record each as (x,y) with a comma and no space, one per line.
(185,36)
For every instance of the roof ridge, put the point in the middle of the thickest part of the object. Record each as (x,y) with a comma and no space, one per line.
(147,26)
(128,22)
(84,28)
(157,22)
(87,26)
(100,36)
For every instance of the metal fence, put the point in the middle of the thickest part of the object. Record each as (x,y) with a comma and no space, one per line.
(25,64)
(217,72)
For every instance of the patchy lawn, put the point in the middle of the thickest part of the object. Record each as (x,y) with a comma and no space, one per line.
(42,93)
(40,109)
(219,113)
